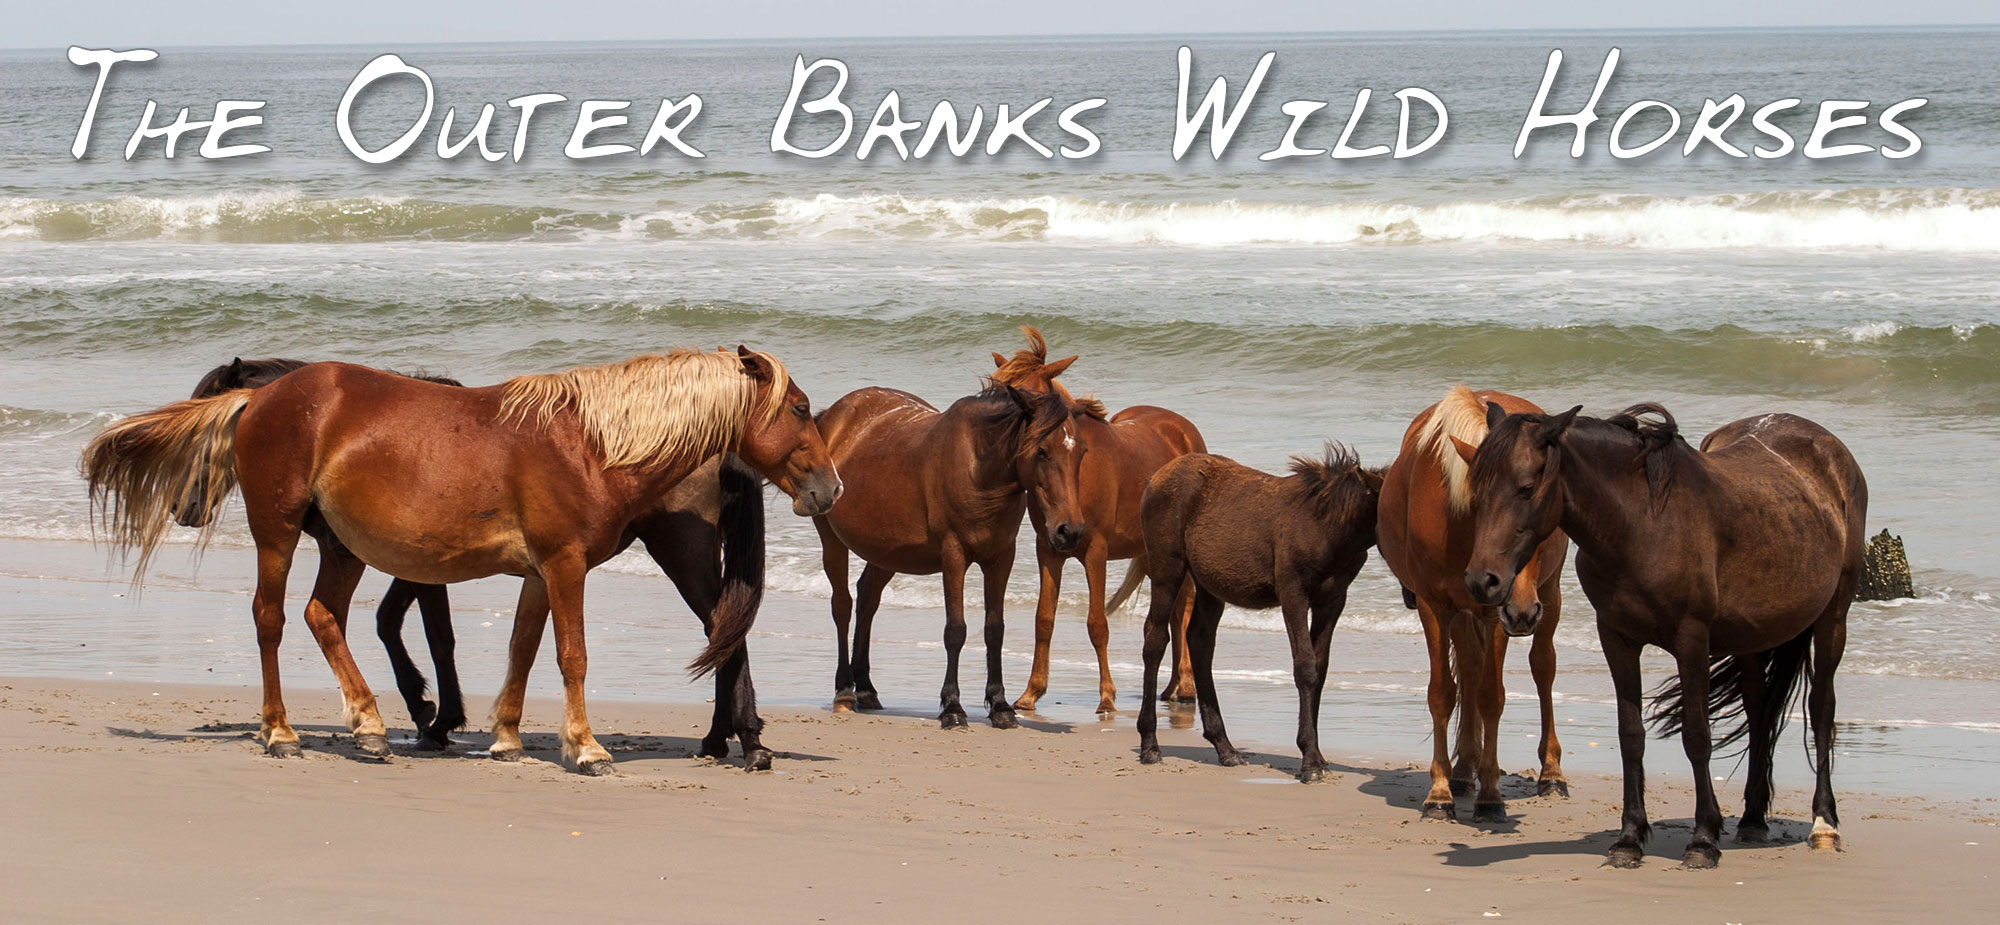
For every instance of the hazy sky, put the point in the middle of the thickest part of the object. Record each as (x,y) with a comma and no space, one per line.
(98,23)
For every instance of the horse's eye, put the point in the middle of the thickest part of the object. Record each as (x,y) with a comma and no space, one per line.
(1527,491)
(1041,452)
(802,409)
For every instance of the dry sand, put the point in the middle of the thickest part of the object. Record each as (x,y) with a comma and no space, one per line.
(150,802)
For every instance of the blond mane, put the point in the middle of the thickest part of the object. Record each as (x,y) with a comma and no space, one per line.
(1025,367)
(683,404)
(1459,414)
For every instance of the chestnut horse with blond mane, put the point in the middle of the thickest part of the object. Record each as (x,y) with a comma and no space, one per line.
(538,476)
(1119,454)
(935,492)
(1425,535)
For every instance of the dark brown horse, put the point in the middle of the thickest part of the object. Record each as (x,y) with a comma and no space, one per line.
(1255,540)
(1425,535)
(933,492)
(682,535)
(1119,455)
(1739,560)
(538,476)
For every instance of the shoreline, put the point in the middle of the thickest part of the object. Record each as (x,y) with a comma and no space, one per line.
(862,814)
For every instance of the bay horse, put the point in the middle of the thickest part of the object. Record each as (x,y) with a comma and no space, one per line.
(1253,539)
(1425,536)
(935,492)
(1119,454)
(1739,559)
(718,506)
(538,476)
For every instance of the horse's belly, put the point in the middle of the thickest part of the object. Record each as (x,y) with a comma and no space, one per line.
(424,552)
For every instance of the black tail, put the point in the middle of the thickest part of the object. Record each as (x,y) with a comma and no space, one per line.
(742,565)
(1784,679)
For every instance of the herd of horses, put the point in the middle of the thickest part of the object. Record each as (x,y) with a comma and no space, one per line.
(1738,558)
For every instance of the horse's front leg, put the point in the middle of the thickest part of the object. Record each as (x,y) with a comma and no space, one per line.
(952,714)
(1305,667)
(1622,658)
(564,579)
(1050,565)
(1098,626)
(833,560)
(325,614)
(1542,661)
(1488,806)
(531,617)
(867,602)
(1692,659)
(1439,803)
(993,574)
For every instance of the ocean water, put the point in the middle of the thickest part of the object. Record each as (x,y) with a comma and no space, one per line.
(1276,305)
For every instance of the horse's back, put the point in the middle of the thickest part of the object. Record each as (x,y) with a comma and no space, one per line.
(1158,425)
(864,413)
(1787,447)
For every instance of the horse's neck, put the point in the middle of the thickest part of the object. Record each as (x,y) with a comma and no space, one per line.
(1605,499)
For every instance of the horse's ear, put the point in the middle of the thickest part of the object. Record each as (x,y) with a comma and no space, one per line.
(1022,400)
(754,364)
(1494,414)
(1052,370)
(1371,478)
(1465,450)
(1555,427)
(999,361)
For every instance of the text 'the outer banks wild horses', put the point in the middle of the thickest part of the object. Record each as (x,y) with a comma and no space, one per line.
(1739,560)
(719,506)
(538,476)
(1118,456)
(1255,540)
(931,492)
(1425,536)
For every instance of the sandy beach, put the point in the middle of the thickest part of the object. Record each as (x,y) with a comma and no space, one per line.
(145,800)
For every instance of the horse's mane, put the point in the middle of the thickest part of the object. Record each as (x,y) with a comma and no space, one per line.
(1459,414)
(230,375)
(998,407)
(1330,481)
(684,404)
(1660,445)
(1021,368)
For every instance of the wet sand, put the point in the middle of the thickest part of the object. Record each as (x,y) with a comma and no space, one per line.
(144,800)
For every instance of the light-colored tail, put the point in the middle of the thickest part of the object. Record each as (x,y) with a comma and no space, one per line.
(1135,574)
(175,462)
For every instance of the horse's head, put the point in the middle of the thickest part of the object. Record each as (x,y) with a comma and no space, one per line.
(1516,503)
(1048,455)
(785,446)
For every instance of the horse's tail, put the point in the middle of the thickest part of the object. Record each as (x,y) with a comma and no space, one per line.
(175,462)
(1134,575)
(1784,679)
(742,565)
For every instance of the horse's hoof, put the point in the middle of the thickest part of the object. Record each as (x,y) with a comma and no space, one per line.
(433,743)
(951,721)
(1824,838)
(1441,811)
(1552,786)
(507,754)
(1003,719)
(283,750)
(868,700)
(372,744)
(1462,788)
(1228,759)
(1106,706)
(1751,833)
(599,768)
(1701,857)
(1489,812)
(713,749)
(1149,756)
(1625,857)
(757,759)
(843,702)
(1311,775)
(1025,703)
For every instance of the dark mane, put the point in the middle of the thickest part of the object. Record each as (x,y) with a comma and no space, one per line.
(1029,416)
(1660,445)
(1328,483)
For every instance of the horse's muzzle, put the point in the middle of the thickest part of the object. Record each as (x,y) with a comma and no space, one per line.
(817,493)
(1520,621)
(1065,536)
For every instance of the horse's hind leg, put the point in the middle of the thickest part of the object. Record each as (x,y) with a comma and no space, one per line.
(1439,802)
(867,600)
(1829,642)
(389,628)
(274,563)
(1752,827)
(339,573)
(1182,689)
(1167,576)
(1542,660)
(435,603)
(1201,650)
